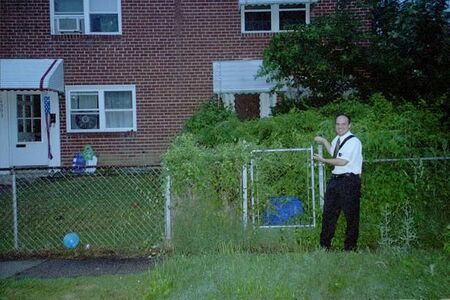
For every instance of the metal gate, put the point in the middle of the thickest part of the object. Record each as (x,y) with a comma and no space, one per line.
(280,188)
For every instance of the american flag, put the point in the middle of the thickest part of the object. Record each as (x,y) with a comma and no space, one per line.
(47,123)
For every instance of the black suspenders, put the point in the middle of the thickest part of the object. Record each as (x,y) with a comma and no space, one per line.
(344,141)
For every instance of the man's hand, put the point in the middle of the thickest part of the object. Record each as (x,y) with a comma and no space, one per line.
(320,140)
(318,157)
(324,142)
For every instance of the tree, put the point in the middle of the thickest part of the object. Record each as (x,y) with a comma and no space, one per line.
(320,61)
(409,54)
(406,55)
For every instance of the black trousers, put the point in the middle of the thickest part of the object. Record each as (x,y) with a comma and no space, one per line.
(344,194)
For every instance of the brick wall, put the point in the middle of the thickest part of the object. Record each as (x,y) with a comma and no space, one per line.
(166,50)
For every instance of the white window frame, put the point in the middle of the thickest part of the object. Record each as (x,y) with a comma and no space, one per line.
(100,89)
(275,17)
(86,20)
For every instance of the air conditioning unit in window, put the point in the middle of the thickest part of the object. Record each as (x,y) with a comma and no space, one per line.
(86,121)
(68,24)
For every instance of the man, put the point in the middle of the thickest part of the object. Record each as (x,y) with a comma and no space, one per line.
(344,189)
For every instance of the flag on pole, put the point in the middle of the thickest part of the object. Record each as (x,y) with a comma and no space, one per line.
(47,123)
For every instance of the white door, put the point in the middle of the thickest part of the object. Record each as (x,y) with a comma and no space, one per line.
(28,137)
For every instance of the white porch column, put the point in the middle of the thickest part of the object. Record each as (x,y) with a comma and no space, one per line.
(266,102)
(273,101)
(4,134)
(228,101)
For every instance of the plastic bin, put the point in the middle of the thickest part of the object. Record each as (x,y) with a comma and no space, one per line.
(281,210)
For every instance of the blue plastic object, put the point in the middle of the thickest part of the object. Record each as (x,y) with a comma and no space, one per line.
(282,209)
(78,163)
(71,240)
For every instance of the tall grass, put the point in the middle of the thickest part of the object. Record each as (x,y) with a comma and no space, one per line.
(313,275)
(206,163)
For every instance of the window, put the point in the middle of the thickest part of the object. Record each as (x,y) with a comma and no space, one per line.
(258,18)
(29,118)
(85,16)
(274,17)
(101,108)
(291,15)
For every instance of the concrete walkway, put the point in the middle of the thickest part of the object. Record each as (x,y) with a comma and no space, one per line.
(10,268)
(63,268)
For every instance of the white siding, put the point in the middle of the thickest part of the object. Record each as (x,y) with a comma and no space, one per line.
(238,77)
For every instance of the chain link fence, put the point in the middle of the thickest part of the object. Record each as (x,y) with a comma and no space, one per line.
(116,210)
(127,210)
(402,198)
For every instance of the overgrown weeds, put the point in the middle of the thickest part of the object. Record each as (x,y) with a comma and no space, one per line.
(206,172)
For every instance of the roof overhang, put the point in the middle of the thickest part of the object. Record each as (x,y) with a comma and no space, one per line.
(266,2)
(32,74)
(239,77)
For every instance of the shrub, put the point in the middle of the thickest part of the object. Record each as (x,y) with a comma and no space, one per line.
(208,191)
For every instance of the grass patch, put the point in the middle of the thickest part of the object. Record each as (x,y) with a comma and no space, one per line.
(316,275)
(130,286)
(311,275)
(113,209)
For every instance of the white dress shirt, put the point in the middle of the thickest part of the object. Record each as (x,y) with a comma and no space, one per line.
(351,151)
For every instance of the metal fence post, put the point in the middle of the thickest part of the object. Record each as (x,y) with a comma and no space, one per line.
(321,178)
(167,212)
(14,208)
(313,185)
(252,178)
(244,196)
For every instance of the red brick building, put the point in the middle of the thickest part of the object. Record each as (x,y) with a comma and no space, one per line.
(124,75)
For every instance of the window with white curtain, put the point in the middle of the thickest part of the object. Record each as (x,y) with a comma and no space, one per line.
(106,108)
(85,16)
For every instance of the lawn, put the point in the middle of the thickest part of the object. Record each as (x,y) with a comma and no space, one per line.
(116,209)
(310,275)
(132,286)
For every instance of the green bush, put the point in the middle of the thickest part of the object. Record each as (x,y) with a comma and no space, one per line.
(206,171)
(211,114)
(320,61)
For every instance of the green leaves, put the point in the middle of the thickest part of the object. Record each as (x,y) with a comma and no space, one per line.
(324,57)
(405,56)
(409,53)
(205,166)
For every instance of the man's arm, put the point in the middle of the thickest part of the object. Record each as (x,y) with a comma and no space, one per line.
(323,141)
(331,161)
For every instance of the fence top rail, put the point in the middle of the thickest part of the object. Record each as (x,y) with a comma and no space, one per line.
(281,150)
(30,168)
(406,159)
(379,160)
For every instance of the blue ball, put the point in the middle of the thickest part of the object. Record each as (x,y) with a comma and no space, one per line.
(71,240)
